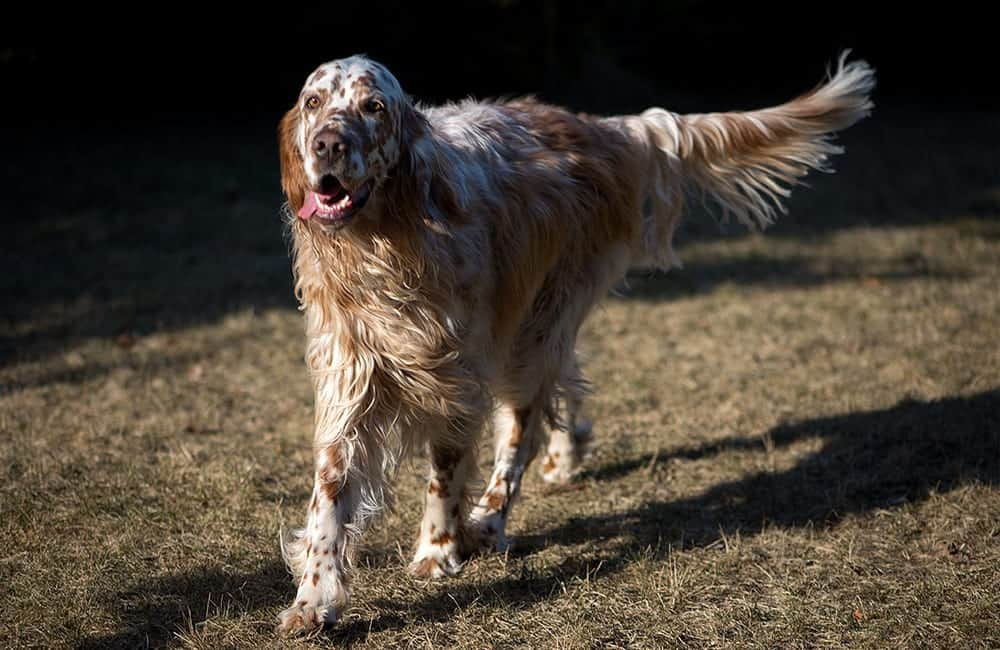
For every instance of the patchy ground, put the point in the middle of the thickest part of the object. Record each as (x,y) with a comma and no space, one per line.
(798,434)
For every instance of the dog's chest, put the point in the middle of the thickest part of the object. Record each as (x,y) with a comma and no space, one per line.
(394,338)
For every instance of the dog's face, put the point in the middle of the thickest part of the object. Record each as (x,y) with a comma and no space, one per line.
(341,139)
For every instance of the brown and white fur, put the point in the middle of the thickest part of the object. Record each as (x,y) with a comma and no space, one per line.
(445,259)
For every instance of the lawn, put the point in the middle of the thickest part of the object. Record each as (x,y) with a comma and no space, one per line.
(797,435)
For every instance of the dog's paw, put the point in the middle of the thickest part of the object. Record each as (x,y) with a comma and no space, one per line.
(486,535)
(566,454)
(558,469)
(303,618)
(437,561)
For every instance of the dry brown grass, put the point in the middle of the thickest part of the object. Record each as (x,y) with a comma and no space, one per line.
(798,435)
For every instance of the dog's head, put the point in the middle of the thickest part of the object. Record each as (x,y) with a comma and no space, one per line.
(342,140)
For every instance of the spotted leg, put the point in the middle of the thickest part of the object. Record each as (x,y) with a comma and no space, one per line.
(518,436)
(441,541)
(569,443)
(319,555)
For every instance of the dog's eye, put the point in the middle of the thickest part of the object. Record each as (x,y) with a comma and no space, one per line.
(312,103)
(374,106)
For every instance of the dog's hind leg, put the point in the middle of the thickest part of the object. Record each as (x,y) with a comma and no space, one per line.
(570,438)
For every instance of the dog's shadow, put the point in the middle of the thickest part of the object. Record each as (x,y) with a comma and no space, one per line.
(154,611)
(867,461)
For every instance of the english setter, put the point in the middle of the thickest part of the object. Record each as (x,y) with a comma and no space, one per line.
(445,258)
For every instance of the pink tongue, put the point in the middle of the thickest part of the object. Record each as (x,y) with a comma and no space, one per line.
(308,208)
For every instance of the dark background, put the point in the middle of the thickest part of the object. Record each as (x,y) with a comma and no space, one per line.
(139,182)
(178,64)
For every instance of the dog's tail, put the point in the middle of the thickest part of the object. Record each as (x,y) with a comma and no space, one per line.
(745,162)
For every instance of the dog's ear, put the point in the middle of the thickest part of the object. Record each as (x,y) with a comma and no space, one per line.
(293,174)
(424,185)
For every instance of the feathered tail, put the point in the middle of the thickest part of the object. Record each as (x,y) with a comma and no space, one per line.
(746,162)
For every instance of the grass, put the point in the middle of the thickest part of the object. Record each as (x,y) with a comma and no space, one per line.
(797,435)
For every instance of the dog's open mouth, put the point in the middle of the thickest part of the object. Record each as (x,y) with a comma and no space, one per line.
(336,204)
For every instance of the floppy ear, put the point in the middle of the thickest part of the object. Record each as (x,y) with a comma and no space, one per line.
(293,174)
(424,184)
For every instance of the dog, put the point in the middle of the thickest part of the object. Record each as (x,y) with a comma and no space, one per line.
(445,258)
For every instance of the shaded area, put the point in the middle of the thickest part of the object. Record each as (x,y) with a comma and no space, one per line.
(75,369)
(777,272)
(138,240)
(153,612)
(868,461)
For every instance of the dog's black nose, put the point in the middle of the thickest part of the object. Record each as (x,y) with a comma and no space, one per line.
(328,144)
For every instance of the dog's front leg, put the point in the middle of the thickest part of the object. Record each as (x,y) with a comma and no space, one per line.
(519,434)
(320,554)
(441,543)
